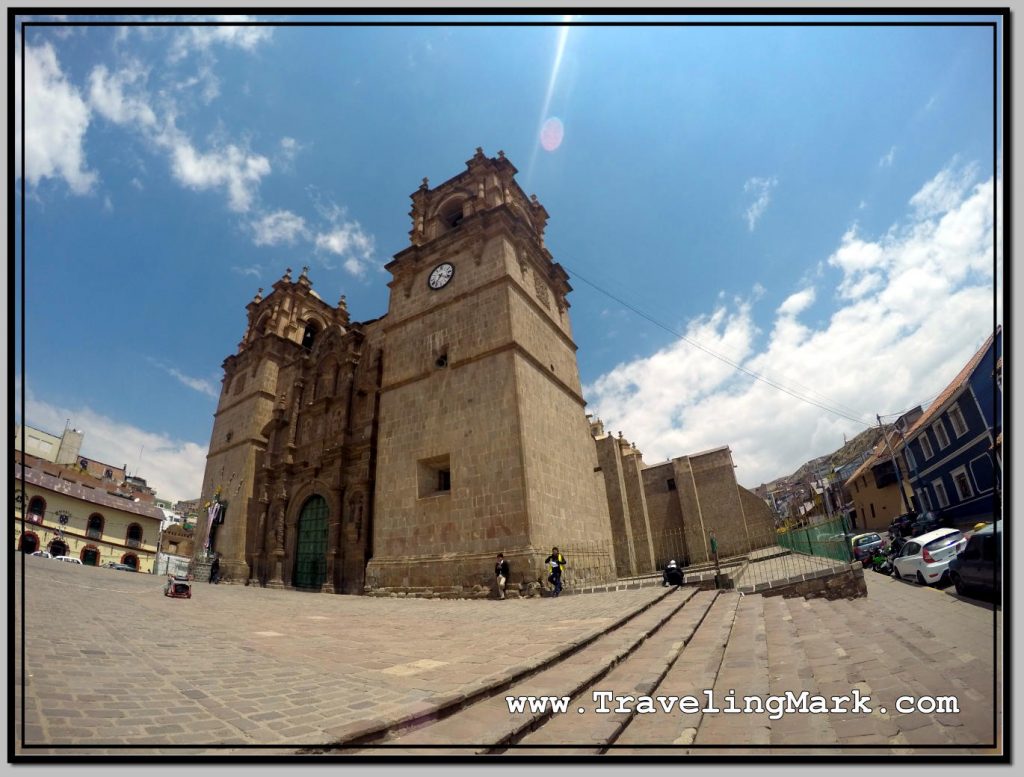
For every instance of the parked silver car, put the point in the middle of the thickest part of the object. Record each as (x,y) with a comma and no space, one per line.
(865,545)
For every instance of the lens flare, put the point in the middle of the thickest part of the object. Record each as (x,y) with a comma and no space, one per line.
(551,134)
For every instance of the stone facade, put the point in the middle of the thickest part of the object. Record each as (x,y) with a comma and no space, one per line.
(399,455)
(408,450)
(680,503)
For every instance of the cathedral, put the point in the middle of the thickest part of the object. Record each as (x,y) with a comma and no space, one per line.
(405,452)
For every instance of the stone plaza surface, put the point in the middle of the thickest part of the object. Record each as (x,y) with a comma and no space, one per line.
(111,662)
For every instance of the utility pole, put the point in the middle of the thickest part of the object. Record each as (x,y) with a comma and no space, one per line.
(896,463)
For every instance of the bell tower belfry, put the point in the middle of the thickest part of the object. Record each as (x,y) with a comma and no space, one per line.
(281,328)
(483,441)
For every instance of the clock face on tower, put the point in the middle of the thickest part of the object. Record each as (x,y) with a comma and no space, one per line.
(440,275)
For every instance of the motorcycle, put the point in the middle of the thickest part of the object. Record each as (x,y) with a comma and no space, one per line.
(881,562)
(884,558)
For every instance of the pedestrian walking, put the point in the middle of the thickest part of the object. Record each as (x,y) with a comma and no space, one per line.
(215,569)
(501,574)
(556,563)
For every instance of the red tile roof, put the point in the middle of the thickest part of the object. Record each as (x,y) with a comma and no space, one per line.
(958,382)
(37,477)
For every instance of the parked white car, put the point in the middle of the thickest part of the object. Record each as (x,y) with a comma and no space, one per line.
(926,558)
(69,559)
(42,554)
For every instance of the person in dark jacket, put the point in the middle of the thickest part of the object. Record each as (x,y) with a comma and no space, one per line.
(556,563)
(672,575)
(501,574)
(215,570)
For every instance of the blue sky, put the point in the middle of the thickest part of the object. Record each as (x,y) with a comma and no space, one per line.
(812,203)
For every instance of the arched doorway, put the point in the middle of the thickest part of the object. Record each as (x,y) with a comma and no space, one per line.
(90,556)
(58,548)
(130,560)
(29,543)
(311,545)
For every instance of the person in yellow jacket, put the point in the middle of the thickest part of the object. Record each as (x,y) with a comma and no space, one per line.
(556,563)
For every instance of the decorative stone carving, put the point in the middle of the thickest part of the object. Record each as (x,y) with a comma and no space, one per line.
(279,529)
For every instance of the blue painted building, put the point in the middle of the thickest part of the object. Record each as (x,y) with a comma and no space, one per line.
(951,452)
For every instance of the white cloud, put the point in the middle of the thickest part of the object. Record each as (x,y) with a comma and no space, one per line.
(227,167)
(290,147)
(107,96)
(887,158)
(205,79)
(254,270)
(281,226)
(173,467)
(797,303)
(761,188)
(196,384)
(344,237)
(945,189)
(202,38)
(914,304)
(349,242)
(56,119)
(121,98)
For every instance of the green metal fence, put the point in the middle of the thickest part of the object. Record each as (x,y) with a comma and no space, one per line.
(827,540)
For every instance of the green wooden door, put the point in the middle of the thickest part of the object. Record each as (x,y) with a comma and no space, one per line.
(311,547)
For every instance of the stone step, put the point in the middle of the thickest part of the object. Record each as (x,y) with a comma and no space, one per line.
(743,672)
(886,660)
(487,723)
(693,671)
(375,730)
(637,676)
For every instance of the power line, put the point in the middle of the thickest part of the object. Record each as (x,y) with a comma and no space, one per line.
(718,356)
(925,404)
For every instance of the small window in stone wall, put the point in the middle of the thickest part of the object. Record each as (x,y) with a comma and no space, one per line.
(671,484)
(434,476)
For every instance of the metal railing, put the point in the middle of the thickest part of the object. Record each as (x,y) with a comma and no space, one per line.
(828,539)
(759,557)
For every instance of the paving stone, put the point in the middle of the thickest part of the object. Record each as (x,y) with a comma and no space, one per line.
(316,680)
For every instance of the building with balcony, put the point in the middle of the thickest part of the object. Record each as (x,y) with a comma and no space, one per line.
(67,513)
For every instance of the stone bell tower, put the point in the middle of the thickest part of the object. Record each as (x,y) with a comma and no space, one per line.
(484,445)
(281,328)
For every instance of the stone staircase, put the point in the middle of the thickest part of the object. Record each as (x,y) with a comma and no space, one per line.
(691,640)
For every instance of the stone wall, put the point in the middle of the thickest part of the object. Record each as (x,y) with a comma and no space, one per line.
(718,495)
(565,493)
(615,490)
(759,518)
(639,522)
(665,514)
(844,581)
